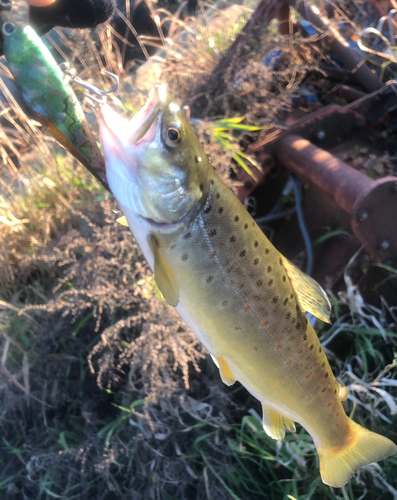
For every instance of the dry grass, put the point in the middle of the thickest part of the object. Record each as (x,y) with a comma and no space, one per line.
(106,393)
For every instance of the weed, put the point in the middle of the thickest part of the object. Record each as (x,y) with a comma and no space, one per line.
(106,394)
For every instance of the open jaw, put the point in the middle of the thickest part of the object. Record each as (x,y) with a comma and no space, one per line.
(122,133)
(143,124)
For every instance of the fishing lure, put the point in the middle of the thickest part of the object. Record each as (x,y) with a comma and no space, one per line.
(46,89)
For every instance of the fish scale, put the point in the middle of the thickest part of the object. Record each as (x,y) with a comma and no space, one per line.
(240,296)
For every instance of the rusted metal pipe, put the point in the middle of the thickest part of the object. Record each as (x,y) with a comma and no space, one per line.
(373,204)
(350,58)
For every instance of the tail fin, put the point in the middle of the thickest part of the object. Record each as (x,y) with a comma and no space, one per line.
(361,447)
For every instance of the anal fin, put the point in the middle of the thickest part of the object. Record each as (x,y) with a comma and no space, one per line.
(273,423)
(224,371)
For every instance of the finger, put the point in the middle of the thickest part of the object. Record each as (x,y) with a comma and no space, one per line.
(41,3)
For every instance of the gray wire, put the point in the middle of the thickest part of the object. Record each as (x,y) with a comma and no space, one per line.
(275,215)
(271,217)
(302,225)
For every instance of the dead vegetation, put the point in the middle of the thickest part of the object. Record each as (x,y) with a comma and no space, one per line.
(106,393)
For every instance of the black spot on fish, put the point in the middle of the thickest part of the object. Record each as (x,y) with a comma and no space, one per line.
(224,303)
(335,391)
(184,257)
(212,233)
(323,364)
(267,251)
(326,375)
(269,268)
(207,209)
(311,347)
(291,296)
(288,316)
(284,278)
(245,226)
(270,282)
(256,262)
(281,262)
(237,218)
(259,283)
(305,337)
(242,253)
(253,223)
(319,349)
(237,328)
(217,196)
(285,302)
(232,239)
(256,244)
(209,279)
(201,186)
(220,210)
(212,182)
(275,300)
(187,236)
(298,326)
(213,254)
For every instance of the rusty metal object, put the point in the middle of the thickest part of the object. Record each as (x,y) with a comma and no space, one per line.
(333,124)
(373,204)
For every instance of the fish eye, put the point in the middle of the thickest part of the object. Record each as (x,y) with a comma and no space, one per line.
(173,134)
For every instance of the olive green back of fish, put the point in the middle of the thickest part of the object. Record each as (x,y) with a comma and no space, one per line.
(45,88)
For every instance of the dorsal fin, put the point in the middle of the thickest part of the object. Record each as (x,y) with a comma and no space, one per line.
(311,296)
(163,275)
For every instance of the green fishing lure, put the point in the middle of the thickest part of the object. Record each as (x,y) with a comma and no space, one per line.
(46,88)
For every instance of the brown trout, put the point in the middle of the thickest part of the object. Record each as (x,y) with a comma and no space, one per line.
(241,297)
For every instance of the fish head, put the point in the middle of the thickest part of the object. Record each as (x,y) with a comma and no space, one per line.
(155,165)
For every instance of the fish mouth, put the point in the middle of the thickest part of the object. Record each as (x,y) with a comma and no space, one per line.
(144,124)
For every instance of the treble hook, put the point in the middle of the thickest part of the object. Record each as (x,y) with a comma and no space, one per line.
(95,90)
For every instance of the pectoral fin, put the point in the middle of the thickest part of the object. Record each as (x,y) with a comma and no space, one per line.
(163,275)
(311,296)
(224,371)
(273,423)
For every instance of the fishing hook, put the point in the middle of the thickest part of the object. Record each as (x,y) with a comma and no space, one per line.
(95,90)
